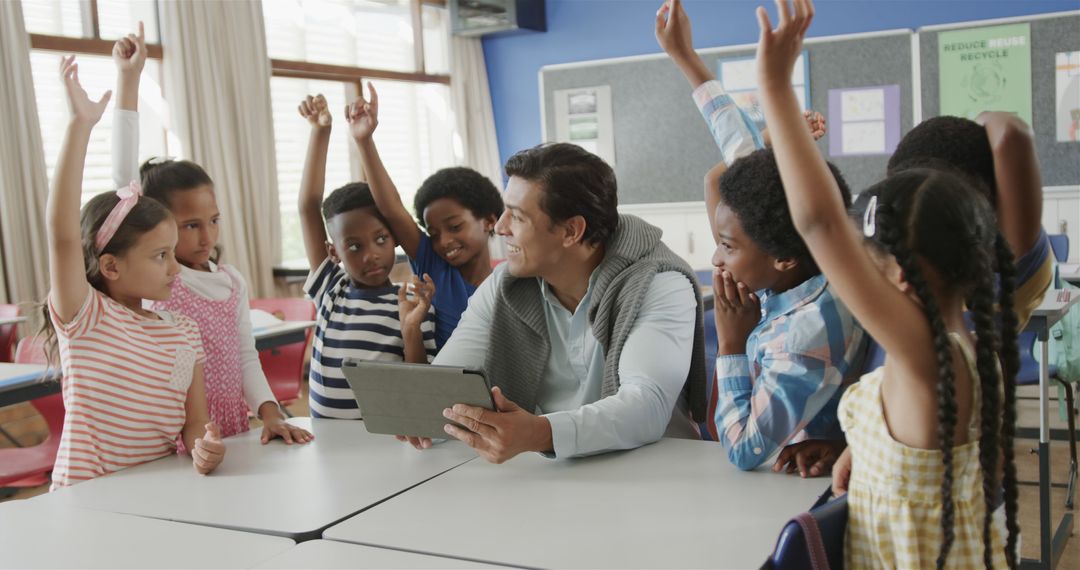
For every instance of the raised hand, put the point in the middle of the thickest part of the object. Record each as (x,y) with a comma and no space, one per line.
(673,29)
(412,311)
(363,115)
(209,450)
(129,53)
(778,49)
(314,109)
(82,108)
(816,123)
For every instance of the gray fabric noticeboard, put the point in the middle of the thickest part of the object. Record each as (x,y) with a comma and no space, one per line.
(1059,161)
(662,145)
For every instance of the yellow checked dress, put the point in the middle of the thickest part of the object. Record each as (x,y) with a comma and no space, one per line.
(894,495)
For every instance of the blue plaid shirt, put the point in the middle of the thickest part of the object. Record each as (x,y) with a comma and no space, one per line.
(786,388)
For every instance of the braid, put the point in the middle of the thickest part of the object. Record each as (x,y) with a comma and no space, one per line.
(1010,357)
(986,350)
(891,239)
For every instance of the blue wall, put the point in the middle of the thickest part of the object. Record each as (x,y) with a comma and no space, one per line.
(580,30)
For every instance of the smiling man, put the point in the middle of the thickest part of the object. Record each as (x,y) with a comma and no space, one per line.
(591,333)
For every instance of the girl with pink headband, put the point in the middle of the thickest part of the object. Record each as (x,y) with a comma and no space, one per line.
(132,378)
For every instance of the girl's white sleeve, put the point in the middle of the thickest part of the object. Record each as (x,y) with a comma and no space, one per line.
(256,389)
(125,147)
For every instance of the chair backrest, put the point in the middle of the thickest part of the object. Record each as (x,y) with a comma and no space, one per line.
(7,333)
(814,539)
(1060,244)
(31,350)
(1029,368)
(284,365)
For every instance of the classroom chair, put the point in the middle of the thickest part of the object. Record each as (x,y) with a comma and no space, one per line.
(814,539)
(7,333)
(1028,375)
(30,466)
(284,365)
(1059,243)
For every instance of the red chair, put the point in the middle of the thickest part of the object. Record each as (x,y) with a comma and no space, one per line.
(7,332)
(31,466)
(284,365)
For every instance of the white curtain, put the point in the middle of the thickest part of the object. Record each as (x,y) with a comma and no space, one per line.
(471,100)
(217,84)
(24,185)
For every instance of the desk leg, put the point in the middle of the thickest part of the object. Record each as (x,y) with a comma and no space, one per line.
(1045,534)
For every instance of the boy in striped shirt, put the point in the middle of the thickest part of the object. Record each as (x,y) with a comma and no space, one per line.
(361,314)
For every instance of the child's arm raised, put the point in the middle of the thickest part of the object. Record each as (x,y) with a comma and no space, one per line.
(129,55)
(363,117)
(67,274)
(200,435)
(817,209)
(1019,185)
(412,314)
(674,36)
(314,179)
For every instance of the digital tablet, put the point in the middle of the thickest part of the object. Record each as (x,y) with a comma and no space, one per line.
(396,398)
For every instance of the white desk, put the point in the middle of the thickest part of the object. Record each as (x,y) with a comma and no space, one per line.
(36,534)
(285,490)
(22,382)
(1055,305)
(339,555)
(672,504)
(287,332)
(11,320)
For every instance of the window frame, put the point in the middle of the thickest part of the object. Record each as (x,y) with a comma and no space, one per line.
(93,45)
(357,75)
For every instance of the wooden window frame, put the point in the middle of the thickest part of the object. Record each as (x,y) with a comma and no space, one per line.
(357,75)
(93,45)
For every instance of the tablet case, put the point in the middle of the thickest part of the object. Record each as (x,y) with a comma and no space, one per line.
(397,398)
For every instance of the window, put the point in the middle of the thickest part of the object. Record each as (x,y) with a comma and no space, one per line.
(291,140)
(374,34)
(78,18)
(97,74)
(84,27)
(335,46)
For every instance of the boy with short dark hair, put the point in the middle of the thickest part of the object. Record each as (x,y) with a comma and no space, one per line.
(360,313)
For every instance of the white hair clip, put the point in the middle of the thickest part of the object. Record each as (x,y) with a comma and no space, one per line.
(869,219)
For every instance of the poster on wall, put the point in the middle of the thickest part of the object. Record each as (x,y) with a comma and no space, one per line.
(583,117)
(985,69)
(738,75)
(864,120)
(1067,111)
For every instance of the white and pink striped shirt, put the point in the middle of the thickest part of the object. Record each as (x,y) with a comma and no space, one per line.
(125,384)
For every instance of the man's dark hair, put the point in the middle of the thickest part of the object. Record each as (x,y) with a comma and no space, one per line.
(575,182)
(752,189)
(352,196)
(463,185)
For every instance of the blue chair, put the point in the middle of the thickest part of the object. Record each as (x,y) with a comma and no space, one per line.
(814,539)
(1059,243)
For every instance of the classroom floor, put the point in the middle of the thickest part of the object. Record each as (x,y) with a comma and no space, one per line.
(22,422)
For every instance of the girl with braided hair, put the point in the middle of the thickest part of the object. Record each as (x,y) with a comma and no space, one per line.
(929,430)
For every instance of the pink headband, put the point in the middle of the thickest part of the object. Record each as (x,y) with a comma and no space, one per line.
(129,196)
